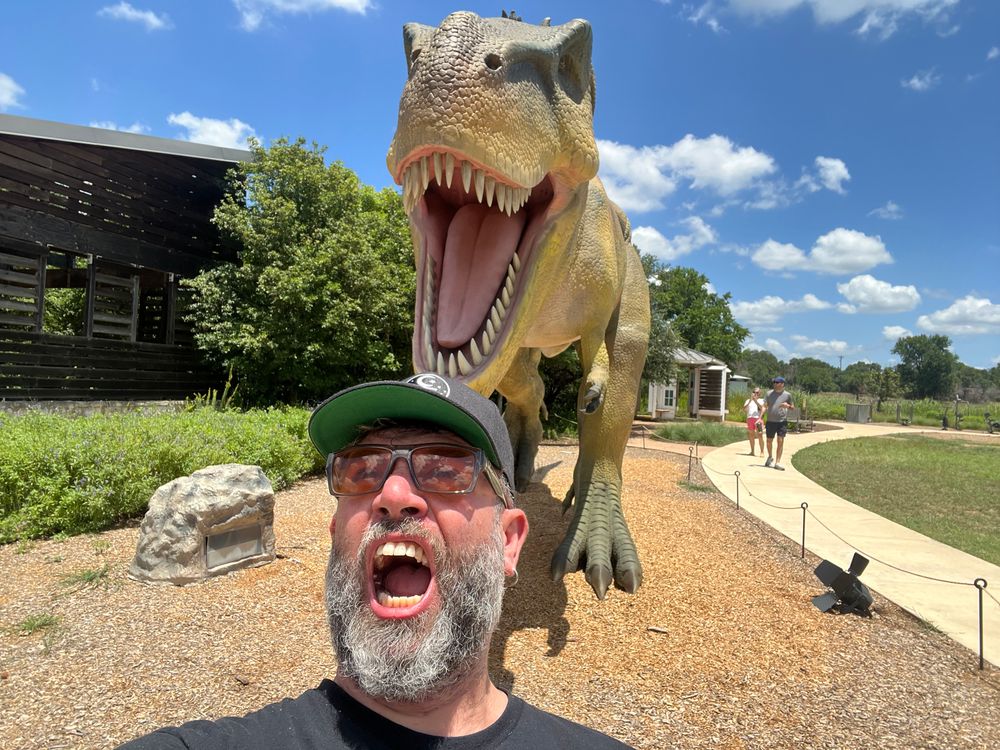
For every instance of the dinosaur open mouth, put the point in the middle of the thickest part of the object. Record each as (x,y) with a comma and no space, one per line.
(477,227)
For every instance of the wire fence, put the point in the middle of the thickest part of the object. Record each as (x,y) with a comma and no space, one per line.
(980,584)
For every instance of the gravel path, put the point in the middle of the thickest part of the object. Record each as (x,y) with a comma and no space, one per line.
(720,648)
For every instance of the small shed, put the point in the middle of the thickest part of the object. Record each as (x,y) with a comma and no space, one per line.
(708,380)
(97,227)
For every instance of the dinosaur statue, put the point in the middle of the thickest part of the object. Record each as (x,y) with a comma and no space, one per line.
(519,252)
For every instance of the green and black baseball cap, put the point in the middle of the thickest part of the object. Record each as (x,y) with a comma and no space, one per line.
(426,397)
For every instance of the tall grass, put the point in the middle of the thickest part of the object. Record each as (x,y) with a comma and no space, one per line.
(703,433)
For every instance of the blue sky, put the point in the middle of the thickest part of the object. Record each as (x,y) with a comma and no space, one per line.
(833,164)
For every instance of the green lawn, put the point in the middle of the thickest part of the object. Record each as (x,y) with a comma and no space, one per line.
(948,490)
(703,433)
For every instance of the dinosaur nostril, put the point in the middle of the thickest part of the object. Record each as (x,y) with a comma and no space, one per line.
(493,61)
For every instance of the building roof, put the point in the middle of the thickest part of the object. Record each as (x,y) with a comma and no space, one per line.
(57,131)
(686,357)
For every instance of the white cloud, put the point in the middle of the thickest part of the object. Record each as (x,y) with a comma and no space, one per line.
(841,251)
(125,12)
(231,133)
(894,333)
(253,12)
(10,92)
(705,14)
(993,54)
(969,315)
(867,294)
(922,81)
(709,287)
(650,240)
(880,17)
(820,348)
(777,349)
(631,177)
(638,179)
(135,127)
(832,173)
(889,211)
(768,310)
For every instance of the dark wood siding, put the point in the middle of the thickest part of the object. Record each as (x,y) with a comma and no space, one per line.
(122,226)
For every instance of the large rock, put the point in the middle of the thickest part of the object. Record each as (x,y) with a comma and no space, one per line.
(217,520)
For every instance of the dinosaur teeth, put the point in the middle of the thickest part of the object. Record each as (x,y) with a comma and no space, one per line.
(425,178)
(449,167)
(463,364)
(440,365)
(487,344)
(452,367)
(466,175)
(477,357)
(490,187)
(516,262)
(437,168)
(480,184)
(491,332)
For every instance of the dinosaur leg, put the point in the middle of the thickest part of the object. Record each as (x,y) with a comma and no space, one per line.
(522,387)
(598,539)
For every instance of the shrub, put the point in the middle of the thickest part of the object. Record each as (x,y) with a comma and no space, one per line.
(73,475)
(703,433)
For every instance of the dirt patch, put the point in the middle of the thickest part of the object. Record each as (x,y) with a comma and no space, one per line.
(739,657)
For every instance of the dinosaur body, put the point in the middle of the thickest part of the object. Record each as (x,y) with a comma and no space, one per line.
(519,252)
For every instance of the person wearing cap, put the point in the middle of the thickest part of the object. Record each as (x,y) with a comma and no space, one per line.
(778,401)
(754,408)
(424,534)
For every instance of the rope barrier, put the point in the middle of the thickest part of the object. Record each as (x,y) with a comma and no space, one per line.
(980,583)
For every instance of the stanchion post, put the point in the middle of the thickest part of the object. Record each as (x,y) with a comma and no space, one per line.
(690,459)
(737,489)
(804,507)
(980,584)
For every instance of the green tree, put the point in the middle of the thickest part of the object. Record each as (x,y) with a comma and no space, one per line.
(323,295)
(812,375)
(700,318)
(927,368)
(881,385)
(760,365)
(852,378)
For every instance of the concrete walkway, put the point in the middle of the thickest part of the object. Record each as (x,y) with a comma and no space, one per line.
(951,608)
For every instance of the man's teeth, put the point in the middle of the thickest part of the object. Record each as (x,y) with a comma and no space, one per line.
(396,602)
(440,168)
(399,549)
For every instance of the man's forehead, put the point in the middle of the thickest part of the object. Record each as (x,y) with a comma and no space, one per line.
(411,435)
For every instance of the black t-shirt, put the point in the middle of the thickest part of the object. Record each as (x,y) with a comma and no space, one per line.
(330,719)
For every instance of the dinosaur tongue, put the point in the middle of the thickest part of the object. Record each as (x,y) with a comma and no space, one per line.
(481,241)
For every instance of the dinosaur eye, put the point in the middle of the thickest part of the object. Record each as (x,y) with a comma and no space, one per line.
(493,61)
(414,55)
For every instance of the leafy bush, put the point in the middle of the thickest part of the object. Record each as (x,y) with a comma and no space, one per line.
(703,433)
(72,475)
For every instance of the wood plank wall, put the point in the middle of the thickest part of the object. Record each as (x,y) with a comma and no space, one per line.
(143,220)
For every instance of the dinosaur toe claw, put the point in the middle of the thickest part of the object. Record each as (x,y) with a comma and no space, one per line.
(599,578)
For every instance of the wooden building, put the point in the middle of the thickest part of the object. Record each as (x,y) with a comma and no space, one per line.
(96,229)
(708,380)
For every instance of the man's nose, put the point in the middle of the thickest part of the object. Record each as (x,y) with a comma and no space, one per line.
(398,497)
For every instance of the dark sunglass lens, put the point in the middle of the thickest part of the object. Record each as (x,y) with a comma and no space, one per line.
(442,468)
(357,471)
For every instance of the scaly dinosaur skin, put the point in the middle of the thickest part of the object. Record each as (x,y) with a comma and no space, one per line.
(519,251)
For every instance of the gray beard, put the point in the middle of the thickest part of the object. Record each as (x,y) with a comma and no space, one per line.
(408,659)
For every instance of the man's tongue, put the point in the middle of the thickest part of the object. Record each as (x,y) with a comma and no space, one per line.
(407,580)
(481,242)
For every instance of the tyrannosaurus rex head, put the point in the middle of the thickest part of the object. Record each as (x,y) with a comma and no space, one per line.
(494,149)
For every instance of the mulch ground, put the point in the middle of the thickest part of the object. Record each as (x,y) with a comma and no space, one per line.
(720,648)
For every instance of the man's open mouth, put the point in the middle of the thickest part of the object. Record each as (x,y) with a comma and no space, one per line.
(401,575)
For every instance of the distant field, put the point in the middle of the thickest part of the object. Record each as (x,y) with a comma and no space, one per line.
(944,489)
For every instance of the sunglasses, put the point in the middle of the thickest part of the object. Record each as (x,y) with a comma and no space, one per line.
(442,469)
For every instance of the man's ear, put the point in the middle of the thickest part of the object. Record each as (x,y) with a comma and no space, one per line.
(514,523)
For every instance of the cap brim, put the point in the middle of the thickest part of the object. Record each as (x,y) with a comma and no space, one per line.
(334,423)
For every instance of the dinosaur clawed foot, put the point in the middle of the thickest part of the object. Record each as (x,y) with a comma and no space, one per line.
(592,399)
(599,542)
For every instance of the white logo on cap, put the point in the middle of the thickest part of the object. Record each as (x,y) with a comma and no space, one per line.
(431,382)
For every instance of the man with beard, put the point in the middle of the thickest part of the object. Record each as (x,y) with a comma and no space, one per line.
(424,534)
